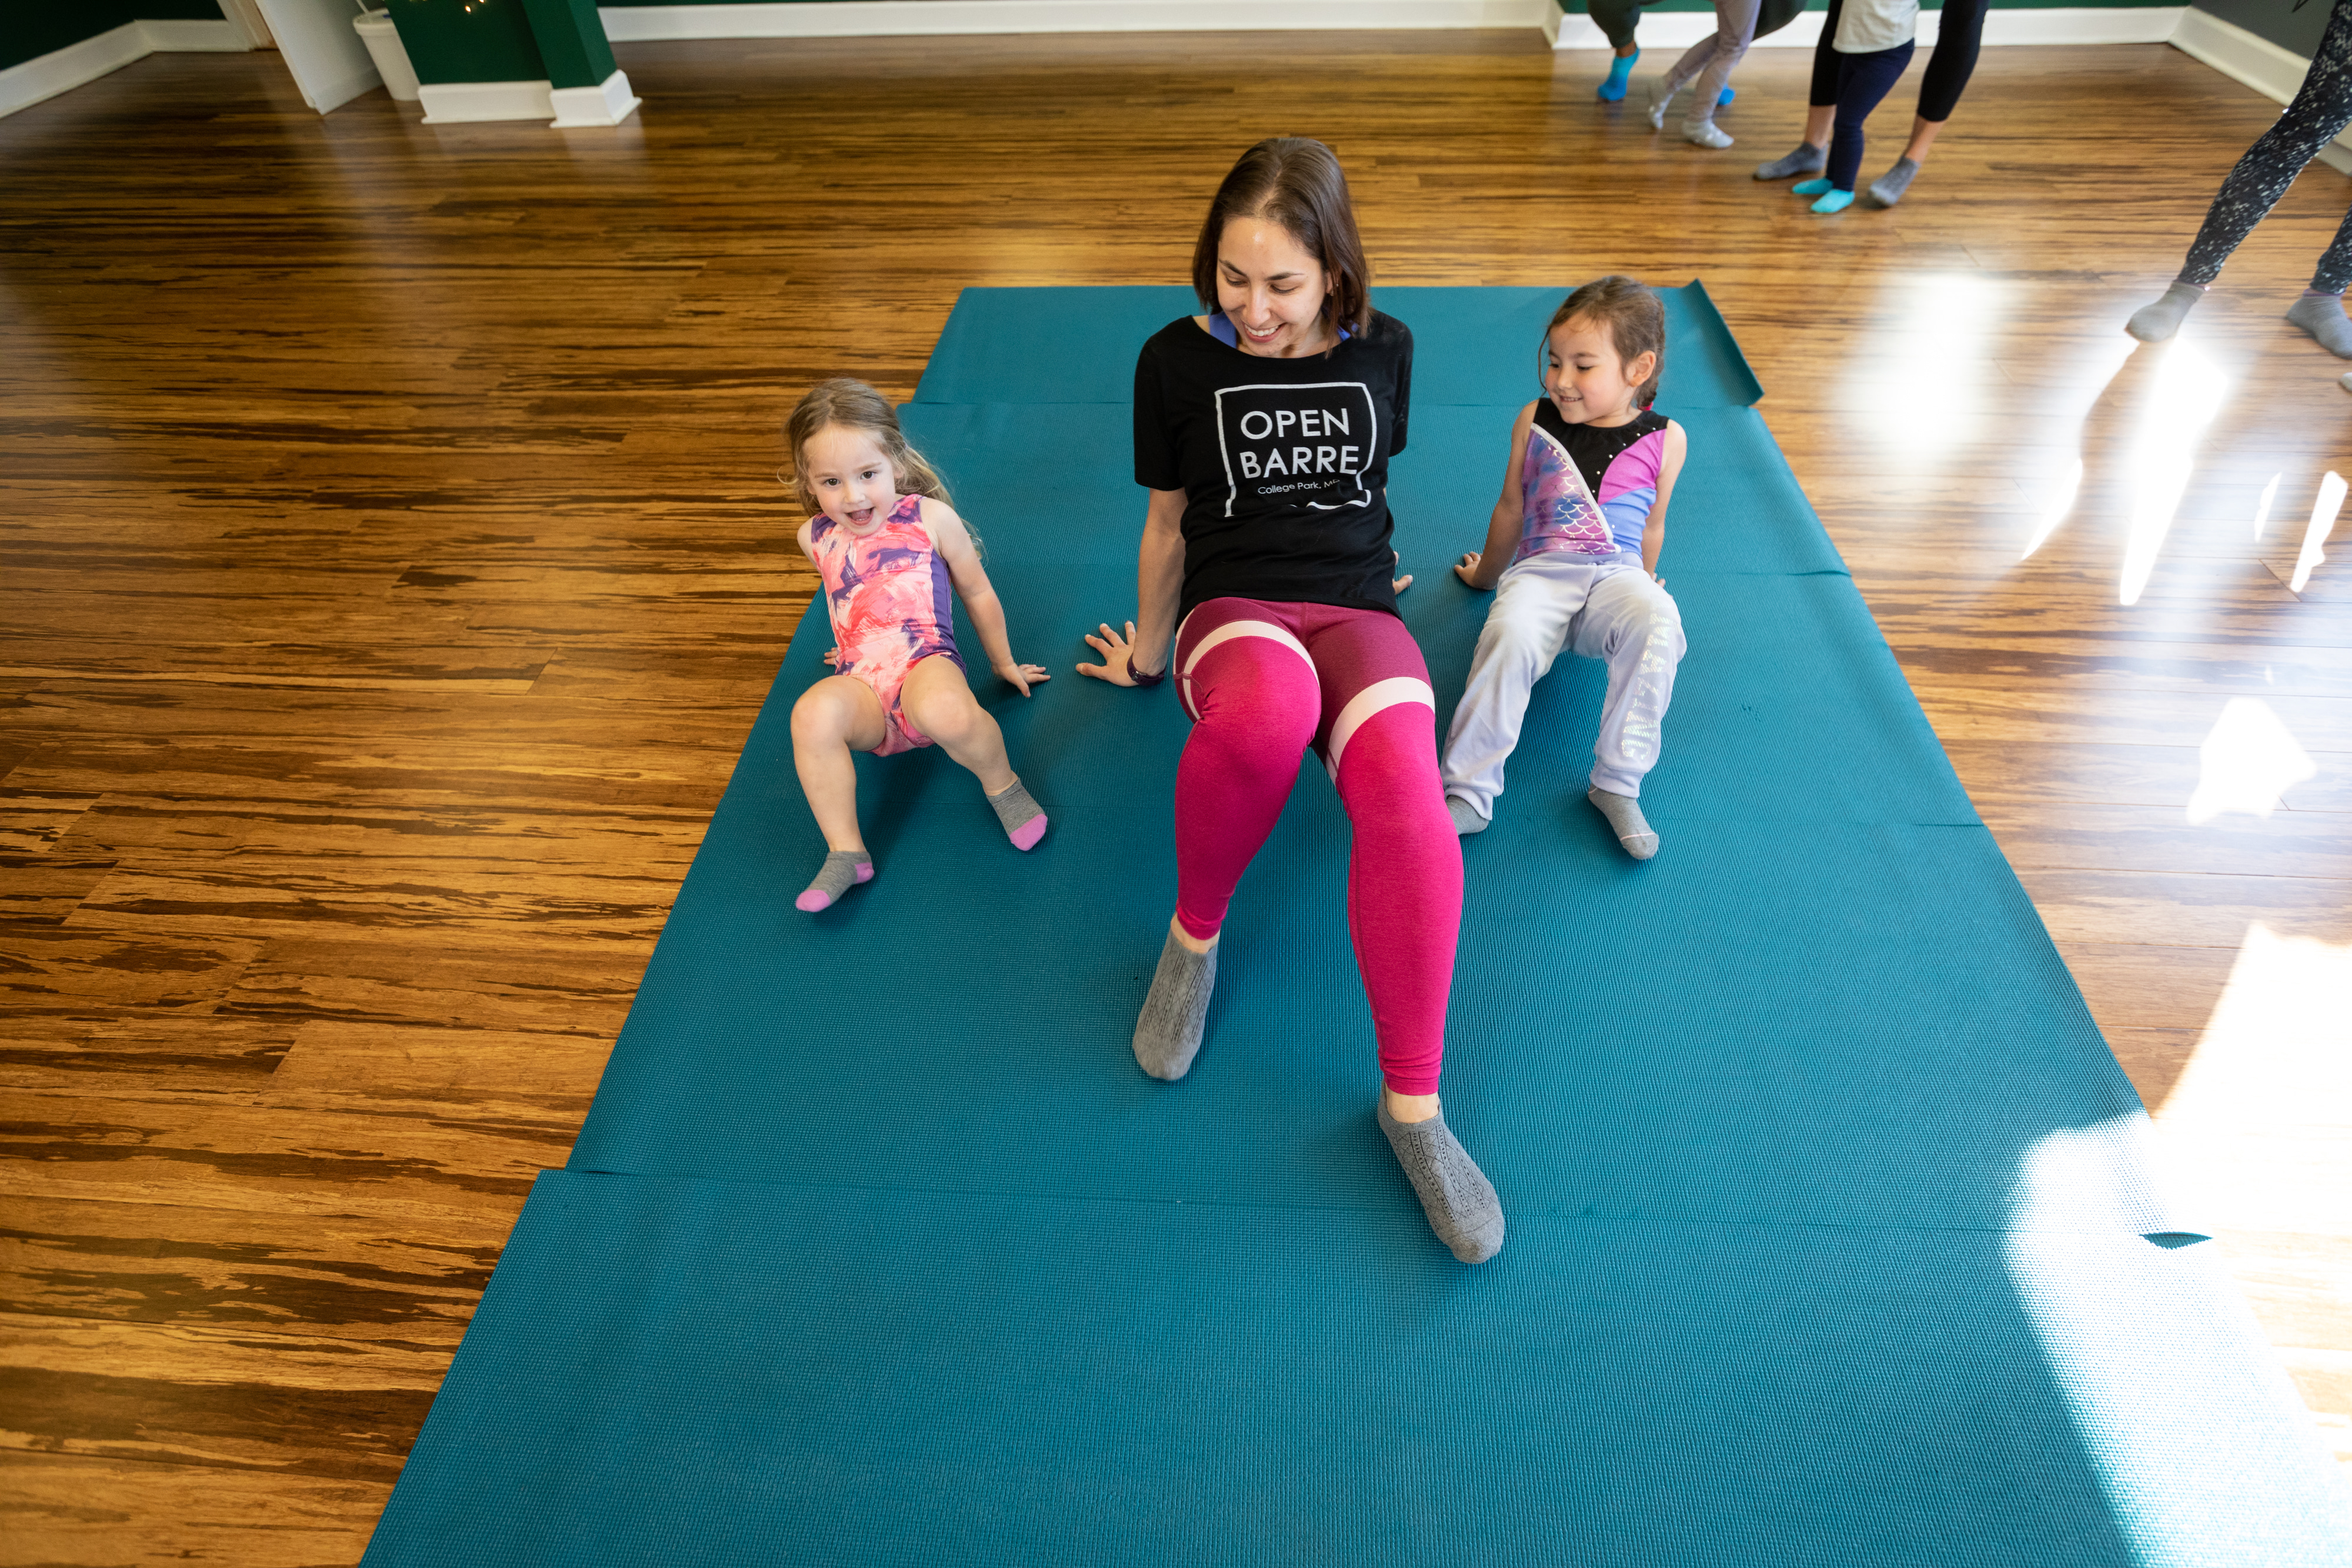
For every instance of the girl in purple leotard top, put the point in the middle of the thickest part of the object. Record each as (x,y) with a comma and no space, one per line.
(889,548)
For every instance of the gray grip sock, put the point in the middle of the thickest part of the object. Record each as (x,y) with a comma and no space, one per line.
(1661,94)
(842,870)
(1467,819)
(1023,818)
(1167,1030)
(2154,322)
(1624,814)
(2321,316)
(1455,1193)
(1807,159)
(1888,188)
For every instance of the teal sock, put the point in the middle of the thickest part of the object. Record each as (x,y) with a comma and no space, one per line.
(1728,95)
(1621,70)
(1810,187)
(1835,202)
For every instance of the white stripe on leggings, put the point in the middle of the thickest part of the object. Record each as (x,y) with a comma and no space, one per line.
(1226,633)
(1380,694)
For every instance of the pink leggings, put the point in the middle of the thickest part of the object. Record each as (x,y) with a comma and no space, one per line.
(1262,683)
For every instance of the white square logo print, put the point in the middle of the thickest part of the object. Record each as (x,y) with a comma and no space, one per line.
(1287,444)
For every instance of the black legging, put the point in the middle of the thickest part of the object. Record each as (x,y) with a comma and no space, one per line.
(1949,69)
(1863,83)
(2317,116)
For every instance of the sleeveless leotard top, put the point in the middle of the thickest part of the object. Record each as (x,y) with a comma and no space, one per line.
(886,592)
(1585,489)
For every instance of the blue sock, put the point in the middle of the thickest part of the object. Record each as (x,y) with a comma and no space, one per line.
(1835,202)
(1621,70)
(1728,95)
(1810,187)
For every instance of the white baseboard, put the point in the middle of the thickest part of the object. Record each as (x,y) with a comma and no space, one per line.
(2065,25)
(193,36)
(458,102)
(876,19)
(61,70)
(607,103)
(2255,61)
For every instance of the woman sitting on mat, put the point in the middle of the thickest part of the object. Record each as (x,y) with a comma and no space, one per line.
(1573,551)
(888,546)
(1263,431)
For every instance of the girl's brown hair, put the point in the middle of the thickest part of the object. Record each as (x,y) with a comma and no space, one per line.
(1634,317)
(1298,183)
(854,405)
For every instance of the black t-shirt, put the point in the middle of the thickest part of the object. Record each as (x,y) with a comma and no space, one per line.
(1283,463)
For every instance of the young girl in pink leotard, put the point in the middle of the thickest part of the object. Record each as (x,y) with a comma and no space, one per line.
(889,548)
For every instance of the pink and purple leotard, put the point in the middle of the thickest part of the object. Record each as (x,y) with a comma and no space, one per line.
(887,594)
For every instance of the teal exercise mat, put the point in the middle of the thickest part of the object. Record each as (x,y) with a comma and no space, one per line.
(1785,1016)
(687,1372)
(1474,346)
(1054,483)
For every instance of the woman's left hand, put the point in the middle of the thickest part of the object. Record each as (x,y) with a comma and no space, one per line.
(1021,676)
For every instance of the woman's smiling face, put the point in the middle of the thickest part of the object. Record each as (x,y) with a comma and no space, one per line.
(1271,290)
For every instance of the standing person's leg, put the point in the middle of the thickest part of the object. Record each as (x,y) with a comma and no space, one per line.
(1616,19)
(1246,681)
(1378,737)
(1812,154)
(1734,29)
(1864,82)
(1632,624)
(1959,40)
(2321,109)
(2322,306)
(1524,628)
(1662,92)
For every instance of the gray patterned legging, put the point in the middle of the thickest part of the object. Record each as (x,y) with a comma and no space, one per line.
(2316,117)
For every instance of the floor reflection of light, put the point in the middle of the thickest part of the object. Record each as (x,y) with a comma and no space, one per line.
(2188,391)
(2061,502)
(2323,523)
(2263,507)
(2258,1124)
(2247,763)
(1929,395)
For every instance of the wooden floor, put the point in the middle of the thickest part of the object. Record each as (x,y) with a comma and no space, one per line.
(393,562)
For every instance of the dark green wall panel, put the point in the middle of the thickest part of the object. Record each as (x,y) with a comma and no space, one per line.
(31,28)
(2277,20)
(468,40)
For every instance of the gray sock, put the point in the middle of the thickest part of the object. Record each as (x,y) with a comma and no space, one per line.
(842,870)
(1661,94)
(1706,133)
(1624,814)
(1167,1030)
(1455,1193)
(2153,323)
(1467,819)
(1807,159)
(1023,818)
(2321,316)
(1888,188)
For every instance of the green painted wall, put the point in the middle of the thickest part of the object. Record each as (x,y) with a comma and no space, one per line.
(468,40)
(558,41)
(2280,21)
(31,28)
(1577,6)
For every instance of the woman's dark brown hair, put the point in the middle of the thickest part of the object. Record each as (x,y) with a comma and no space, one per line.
(1298,183)
(1634,317)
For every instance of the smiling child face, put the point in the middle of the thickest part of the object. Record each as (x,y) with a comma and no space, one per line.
(1586,379)
(850,476)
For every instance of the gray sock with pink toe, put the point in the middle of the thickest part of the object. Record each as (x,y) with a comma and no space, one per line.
(842,870)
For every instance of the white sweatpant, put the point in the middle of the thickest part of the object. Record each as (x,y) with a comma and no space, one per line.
(1608,609)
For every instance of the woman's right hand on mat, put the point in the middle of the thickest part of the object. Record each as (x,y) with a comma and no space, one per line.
(1116,651)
